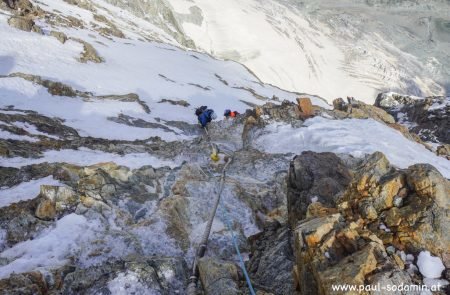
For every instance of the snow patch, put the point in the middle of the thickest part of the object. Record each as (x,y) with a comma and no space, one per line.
(357,137)
(86,157)
(8,135)
(51,248)
(25,190)
(430,266)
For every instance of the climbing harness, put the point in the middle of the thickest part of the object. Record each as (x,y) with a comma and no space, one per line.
(192,286)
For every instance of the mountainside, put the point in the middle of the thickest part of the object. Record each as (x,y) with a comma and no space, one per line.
(329,48)
(107,180)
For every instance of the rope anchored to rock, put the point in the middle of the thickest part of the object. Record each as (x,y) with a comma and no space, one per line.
(192,286)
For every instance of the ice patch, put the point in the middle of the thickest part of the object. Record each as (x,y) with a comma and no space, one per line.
(25,190)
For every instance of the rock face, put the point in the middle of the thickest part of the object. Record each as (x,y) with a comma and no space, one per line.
(314,177)
(428,117)
(376,208)
(272,260)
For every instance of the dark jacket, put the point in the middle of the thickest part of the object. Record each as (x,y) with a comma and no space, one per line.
(205,117)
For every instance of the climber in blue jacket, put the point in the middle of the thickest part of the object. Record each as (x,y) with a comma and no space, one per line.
(205,115)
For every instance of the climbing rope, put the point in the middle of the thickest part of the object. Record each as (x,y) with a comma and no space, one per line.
(192,286)
(236,247)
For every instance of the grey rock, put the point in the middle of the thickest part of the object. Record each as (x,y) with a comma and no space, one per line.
(272,259)
(314,174)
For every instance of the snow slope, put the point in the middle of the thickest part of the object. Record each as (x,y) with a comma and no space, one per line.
(152,70)
(350,136)
(330,48)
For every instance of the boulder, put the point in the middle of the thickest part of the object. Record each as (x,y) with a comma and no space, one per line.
(305,107)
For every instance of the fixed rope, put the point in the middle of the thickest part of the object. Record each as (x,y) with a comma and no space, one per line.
(192,286)
(236,247)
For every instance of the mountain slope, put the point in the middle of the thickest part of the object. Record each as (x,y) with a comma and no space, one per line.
(107,180)
(350,48)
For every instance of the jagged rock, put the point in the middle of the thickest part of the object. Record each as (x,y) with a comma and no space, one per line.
(444,151)
(425,218)
(272,259)
(139,273)
(55,200)
(320,175)
(351,270)
(286,111)
(359,110)
(31,283)
(60,36)
(218,277)
(368,177)
(304,279)
(348,247)
(427,117)
(54,88)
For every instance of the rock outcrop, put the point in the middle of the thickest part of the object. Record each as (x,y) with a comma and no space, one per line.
(359,110)
(427,117)
(377,208)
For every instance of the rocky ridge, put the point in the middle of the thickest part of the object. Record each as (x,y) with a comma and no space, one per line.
(306,224)
(428,117)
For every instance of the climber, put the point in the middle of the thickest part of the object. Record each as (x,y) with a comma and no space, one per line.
(205,115)
(229,113)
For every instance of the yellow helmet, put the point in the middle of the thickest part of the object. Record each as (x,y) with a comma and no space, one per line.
(215,157)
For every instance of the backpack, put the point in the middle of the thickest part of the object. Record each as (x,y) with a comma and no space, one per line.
(200,110)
